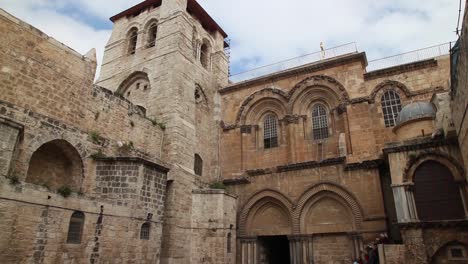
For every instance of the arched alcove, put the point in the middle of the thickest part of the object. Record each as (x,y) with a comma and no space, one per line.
(56,164)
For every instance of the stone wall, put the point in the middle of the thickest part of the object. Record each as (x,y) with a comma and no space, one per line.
(49,112)
(392,254)
(460,91)
(213,225)
(35,222)
(354,101)
(332,248)
(9,133)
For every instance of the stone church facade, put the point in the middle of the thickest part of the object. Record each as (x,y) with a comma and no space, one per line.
(164,160)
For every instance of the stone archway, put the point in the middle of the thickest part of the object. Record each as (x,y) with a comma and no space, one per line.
(56,164)
(259,206)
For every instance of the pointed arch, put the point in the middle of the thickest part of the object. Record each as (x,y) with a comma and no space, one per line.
(257,202)
(387,85)
(136,88)
(451,163)
(317,86)
(317,192)
(251,107)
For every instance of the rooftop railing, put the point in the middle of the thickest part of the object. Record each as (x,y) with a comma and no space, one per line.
(409,57)
(345,49)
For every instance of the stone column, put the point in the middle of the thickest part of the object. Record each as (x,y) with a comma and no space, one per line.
(249,250)
(462,185)
(300,249)
(356,238)
(404,203)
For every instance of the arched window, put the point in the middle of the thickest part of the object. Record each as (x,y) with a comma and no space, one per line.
(145,231)
(205,55)
(75,228)
(198,165)
(228,242)
(436,194)
(132,40)
(270,132)
(319,122)
(391,107)
(152,33)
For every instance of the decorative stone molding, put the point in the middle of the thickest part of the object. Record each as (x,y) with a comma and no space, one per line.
(364,165)
(310,164)
(273,195)
(236,181)
(418,144)
(400,69)
(293,119)
(451,163)
(327,187)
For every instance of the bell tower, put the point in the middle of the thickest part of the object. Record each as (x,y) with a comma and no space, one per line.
(168,58)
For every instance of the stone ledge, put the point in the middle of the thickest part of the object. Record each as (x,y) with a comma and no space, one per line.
(367,164)
(311,164)
(308,68)
(237,181)
(435,224)
(413,66)
(419,143)
(213,191)
(159,167)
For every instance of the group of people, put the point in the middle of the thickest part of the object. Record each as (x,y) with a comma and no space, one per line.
(370,255)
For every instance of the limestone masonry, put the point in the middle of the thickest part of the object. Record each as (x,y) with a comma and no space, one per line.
(165,160)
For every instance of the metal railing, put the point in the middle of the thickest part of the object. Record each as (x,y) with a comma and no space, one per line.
(409,57)
(345,49)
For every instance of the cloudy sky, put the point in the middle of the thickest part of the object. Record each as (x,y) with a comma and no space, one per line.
(266,31)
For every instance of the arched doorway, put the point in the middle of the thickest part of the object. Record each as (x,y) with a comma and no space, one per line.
(436,193)
(270,222)
(265,223)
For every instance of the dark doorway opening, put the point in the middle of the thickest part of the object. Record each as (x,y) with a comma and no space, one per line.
(274,250)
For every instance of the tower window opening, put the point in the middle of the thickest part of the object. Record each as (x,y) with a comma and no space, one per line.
(132,41)
(205,55)
(198,165)
(152,34)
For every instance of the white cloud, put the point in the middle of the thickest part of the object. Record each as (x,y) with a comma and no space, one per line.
(265,31)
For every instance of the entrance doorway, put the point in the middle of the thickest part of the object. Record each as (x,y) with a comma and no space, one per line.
(274,250)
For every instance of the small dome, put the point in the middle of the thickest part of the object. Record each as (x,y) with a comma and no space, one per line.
(415,111)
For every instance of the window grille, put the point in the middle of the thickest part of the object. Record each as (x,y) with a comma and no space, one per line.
(152,33)
(132,41)
(270,132)
(319,122)
(391,107)
(198,165)
(75,228)
(145,231)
